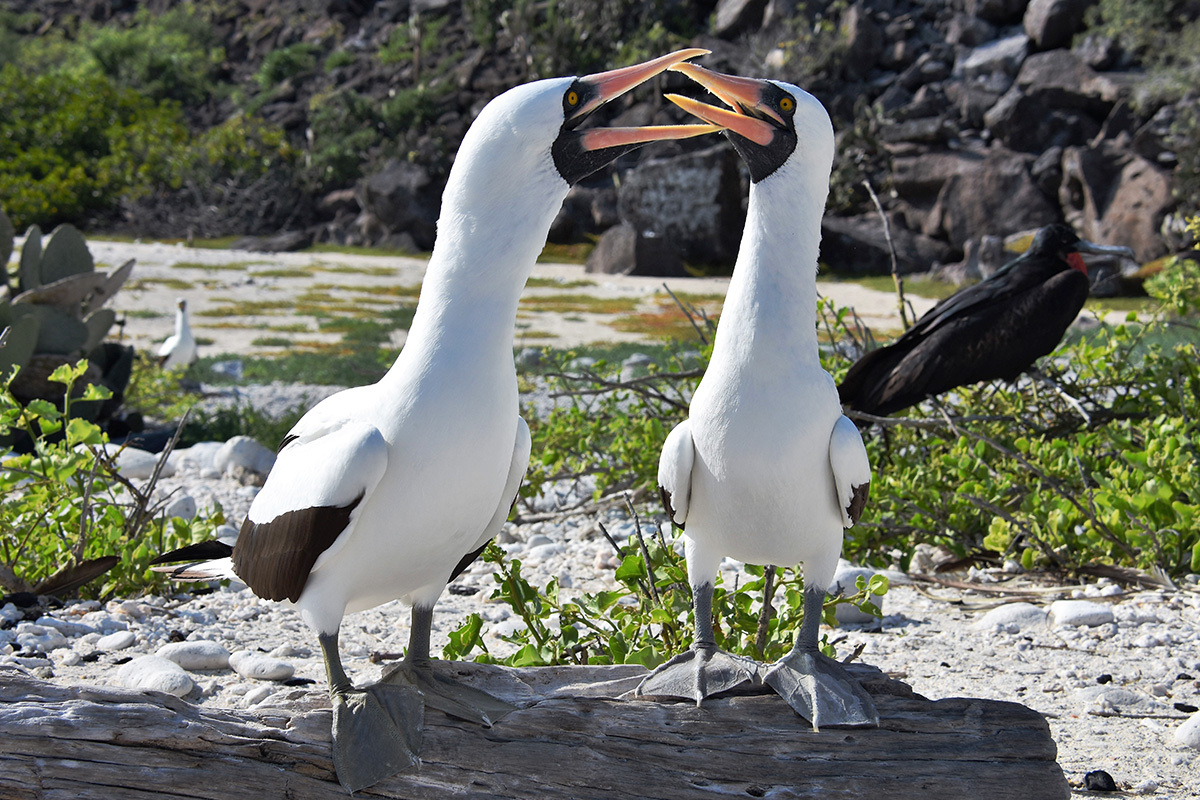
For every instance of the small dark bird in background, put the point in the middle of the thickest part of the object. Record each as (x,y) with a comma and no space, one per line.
(994,329)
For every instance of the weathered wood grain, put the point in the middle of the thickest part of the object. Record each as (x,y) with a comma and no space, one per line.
(571,738)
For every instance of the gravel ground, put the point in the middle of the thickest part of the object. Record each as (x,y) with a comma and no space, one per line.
(1114,686)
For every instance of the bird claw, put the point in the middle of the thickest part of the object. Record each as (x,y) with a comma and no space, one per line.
(377,732)
(821,690)
(448,695)
(697,673)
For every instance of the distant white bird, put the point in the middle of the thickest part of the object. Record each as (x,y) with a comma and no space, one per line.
(390,490)
(766,469)
(179,350)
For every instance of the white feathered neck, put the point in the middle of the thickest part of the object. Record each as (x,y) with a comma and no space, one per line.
(769,316)
(501,197)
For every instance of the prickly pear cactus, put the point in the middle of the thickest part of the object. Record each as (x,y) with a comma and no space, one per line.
(54,315)
(6,245)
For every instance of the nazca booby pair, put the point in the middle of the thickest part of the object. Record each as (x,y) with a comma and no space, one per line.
(390,490)
(766,469)
(179,349)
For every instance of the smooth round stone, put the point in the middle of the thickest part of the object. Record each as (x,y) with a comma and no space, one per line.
(260,667)
(1021,615)
(1079,614)
(37,637)
(244,452)
(257,695)
(154,674)
(199,654)
(1188,734)
(182,506)
(845,582)
(545,551)
(116,641)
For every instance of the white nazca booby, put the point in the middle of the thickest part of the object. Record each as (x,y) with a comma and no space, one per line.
(766,469)
(388,491)
(179,349)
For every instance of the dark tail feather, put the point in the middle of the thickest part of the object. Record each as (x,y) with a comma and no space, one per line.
(201,551)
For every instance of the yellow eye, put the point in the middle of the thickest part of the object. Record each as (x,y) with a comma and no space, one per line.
(572,98)
(787,104)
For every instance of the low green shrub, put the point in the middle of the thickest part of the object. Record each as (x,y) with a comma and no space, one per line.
(67,516)
(648,617)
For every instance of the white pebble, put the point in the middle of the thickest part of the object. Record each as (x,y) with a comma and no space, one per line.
(845,582)
(151,673)
(198,654)
(1079,613)
(116,641)
(244,452)
(70,659)
(260,667)
(544,551)
(183,507)
(63,627)
(1021,615)
(10,613)
(1188,734)
(137,464)
(257,695)
(37,637)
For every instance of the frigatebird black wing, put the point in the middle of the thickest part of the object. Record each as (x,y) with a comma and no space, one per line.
(994,329)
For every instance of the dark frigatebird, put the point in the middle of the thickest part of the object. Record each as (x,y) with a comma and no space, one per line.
(994,329)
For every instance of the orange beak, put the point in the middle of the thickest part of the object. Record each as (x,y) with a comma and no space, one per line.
(614,83)
(743,95)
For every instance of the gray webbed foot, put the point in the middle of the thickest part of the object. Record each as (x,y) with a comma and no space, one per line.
(821,690)
(446,694)
(697,673)
(376,733)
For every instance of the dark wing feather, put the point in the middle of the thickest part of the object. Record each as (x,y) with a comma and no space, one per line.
(666,501)
(275,557)
(858,502)
(201,551)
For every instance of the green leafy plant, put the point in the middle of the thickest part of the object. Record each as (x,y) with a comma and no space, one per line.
(67,515)
(648,617)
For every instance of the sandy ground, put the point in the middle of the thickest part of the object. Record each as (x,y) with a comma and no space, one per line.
(232,279)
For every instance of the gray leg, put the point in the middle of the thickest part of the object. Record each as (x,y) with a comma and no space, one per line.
(814,685)
(441,692)
(703,670)
(376,731)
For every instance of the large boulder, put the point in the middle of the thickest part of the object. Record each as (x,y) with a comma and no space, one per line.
(1052,23)
(693,201)
(400,198)
(737,16)
(858,246)
(624,250)
(1114,196)
(1002,55)
(1000,12)
(1031,123)
(863,39)
(995,194)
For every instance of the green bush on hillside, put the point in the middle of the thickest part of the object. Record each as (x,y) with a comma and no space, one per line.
(71,147)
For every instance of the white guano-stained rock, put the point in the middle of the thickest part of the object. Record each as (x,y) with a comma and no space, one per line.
(151,673)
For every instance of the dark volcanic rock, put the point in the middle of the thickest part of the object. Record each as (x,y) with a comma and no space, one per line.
(1114,196)
(858,245)
(624,250)
(1052,23)
(995,193)
(694,201)
(399,198)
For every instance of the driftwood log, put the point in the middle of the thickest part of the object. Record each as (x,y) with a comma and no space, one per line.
(571,738)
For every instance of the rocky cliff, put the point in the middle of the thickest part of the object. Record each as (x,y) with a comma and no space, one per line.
(971,119)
